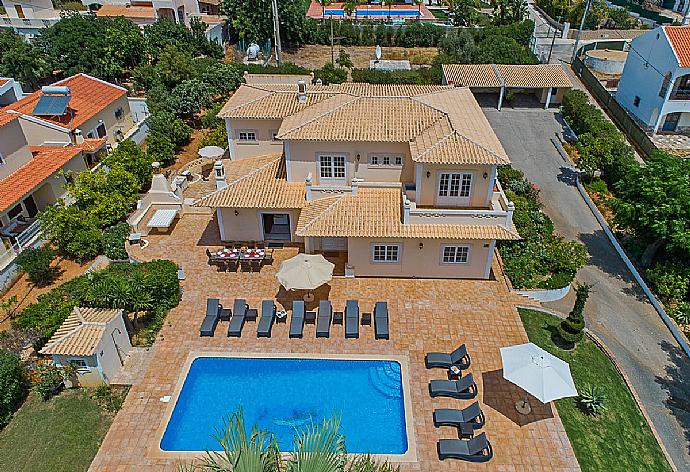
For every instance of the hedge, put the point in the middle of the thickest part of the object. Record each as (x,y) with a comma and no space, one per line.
(12,385)
(420,76)
(415,34)
(114,239)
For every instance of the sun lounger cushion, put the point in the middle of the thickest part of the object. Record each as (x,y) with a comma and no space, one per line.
(297,320)
(208,326)
(451,417)
(477,449)
(459,358)
(268,316)
(324,318)
(351,319)
(239,315)
(381,320)
(464,389)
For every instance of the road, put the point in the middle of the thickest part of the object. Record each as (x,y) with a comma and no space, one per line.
(617,311)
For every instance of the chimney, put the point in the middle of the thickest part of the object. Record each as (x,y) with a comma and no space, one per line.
(308,192)
(219,172)
(509,217)
(319,81)
(355,185)
(156,166)
(78,137)
(302,91)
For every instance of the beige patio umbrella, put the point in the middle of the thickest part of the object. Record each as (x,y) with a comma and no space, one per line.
(305,272)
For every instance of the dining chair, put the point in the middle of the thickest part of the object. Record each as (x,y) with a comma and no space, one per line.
(245,266)
(232,265)
(255,265)
(261,245)
(252,245)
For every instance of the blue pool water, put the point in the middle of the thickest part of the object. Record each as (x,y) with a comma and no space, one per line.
(280,395)
(360,13)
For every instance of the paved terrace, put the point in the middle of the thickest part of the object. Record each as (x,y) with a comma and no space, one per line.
(425,315)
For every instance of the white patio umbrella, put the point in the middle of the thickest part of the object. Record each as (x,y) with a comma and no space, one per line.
(212,152)
(539,373)
(305,272)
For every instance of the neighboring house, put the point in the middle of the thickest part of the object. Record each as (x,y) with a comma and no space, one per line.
(548,82)
(79,105)
(94,341)
(28,17)
(10,91)
(401,178)
(655,85)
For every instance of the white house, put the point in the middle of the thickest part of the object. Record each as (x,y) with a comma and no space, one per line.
(94,341)
(655,85)
(28,17)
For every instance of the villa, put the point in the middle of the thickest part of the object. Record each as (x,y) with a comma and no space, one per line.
(399,179)
(373,10)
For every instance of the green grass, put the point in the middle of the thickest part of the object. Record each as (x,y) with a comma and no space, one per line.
(619,439)
(60,435)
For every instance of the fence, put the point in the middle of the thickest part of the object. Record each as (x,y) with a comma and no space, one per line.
(619,114)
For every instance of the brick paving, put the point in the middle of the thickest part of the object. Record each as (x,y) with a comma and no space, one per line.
(425,315)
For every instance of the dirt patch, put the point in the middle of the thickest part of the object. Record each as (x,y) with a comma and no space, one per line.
(27,293)
(314,56)
(188,152)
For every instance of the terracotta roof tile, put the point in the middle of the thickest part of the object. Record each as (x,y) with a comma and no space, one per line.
(471,75)
(256,182)
(126,11)
(518,76)
(89,97)
(679,37)
(46,161)
(6,117)
(81,332)
(288,79)
(376,213)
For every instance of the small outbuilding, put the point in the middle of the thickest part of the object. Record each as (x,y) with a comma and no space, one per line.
(547,81)
(94,341)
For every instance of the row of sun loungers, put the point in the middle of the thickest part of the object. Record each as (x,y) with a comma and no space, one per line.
(476,448)
(241,312)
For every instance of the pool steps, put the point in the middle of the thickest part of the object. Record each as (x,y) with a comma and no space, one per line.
(387,380)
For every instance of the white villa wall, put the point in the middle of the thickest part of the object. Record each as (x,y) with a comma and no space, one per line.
(247,224)
(14,149)
(106,352)
(265,144)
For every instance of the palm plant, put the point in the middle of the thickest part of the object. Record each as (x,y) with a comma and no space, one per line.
(324,4)
(389,4)
(140,300)
(350,7)
(319,449)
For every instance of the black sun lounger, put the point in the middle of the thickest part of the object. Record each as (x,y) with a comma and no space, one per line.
(268,317)
(323,319)
(351,319)
(459,358)
(477,449)
(239,315)
(297,320)
(381,320)
(471,415)
(463,389)
(213,309)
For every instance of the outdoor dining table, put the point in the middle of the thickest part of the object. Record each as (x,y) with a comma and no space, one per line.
(228,254)
(253,254)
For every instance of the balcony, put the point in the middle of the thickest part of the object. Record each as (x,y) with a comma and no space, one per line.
(680,94)
(27,22)
(17,236)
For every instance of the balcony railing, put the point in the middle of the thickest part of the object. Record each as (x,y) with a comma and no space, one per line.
(18,242)
(27,22)
(680,94)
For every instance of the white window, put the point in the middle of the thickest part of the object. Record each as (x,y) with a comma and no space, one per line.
(78,363)
(100,130)
(454,184)
(385,252)
(385,160)
(455,254)
(247,135)
(91,134)
(332,167)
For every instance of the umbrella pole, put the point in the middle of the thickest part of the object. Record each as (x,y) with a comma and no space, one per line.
(523,407)
(309,297)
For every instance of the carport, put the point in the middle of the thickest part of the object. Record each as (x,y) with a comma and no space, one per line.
(547,81)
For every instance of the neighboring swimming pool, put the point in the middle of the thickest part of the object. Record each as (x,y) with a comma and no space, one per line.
(364,13)
(281,394)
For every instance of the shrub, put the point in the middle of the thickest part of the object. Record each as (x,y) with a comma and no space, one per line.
(331,74)
(681,313)
(598,186)
(72,231)
(285,68)
(404,77)
(592,400)
(47,380)
(160,148)
(571,329)
(670,280)
(12,384)
(557,280)
(565,256)
(216,137)
(108,398)
(37,265)
(168,124)
(114,239)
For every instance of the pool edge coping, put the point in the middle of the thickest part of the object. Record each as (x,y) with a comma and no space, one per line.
(155,451)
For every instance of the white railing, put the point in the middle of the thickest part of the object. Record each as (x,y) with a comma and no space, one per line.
(28,22)
(22,241)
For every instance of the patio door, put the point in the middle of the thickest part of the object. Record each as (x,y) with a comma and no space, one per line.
(671,122)
(454,188)
(276,226)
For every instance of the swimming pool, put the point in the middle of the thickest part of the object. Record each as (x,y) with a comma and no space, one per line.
(360,13)
(281,394)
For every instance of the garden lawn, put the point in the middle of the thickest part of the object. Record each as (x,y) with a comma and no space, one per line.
(60,435)
(619,439)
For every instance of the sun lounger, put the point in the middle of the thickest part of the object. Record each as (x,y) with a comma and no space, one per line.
(351,319)
(381,320)
(471,415)
(268,317)
(239,315)
(459,358)
(297,320)
(208,325)
(477,449)
(463,389)
(323,320)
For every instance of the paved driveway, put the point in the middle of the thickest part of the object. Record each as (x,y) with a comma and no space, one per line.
(617,311)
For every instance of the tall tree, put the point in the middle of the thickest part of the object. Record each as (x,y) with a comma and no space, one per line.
(22,61)
(654,202)
(253,21)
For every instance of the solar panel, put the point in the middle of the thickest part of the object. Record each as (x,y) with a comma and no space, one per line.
(51,105)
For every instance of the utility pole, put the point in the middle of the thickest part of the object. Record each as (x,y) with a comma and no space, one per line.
(582,25)
(553,40)
(276,32)
(332,46)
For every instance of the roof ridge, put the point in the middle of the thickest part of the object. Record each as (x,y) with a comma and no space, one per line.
(269,92)
(239,179)
(327,112)
(668,38)
(336,199)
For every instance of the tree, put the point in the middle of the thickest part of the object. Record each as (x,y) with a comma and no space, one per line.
(329,74)
(72,231)
(350,7)
(464,12)
(503,50)
(509,11)
(222,78)
(37,265)
(389,4)
(134,160)
(174,66)
(571,329)
(169,125)
(190,97)
(344,60)
(324,4)
(654,202)
(22,61)
(161,148)
(12,384)
(253,21)
(458,47)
